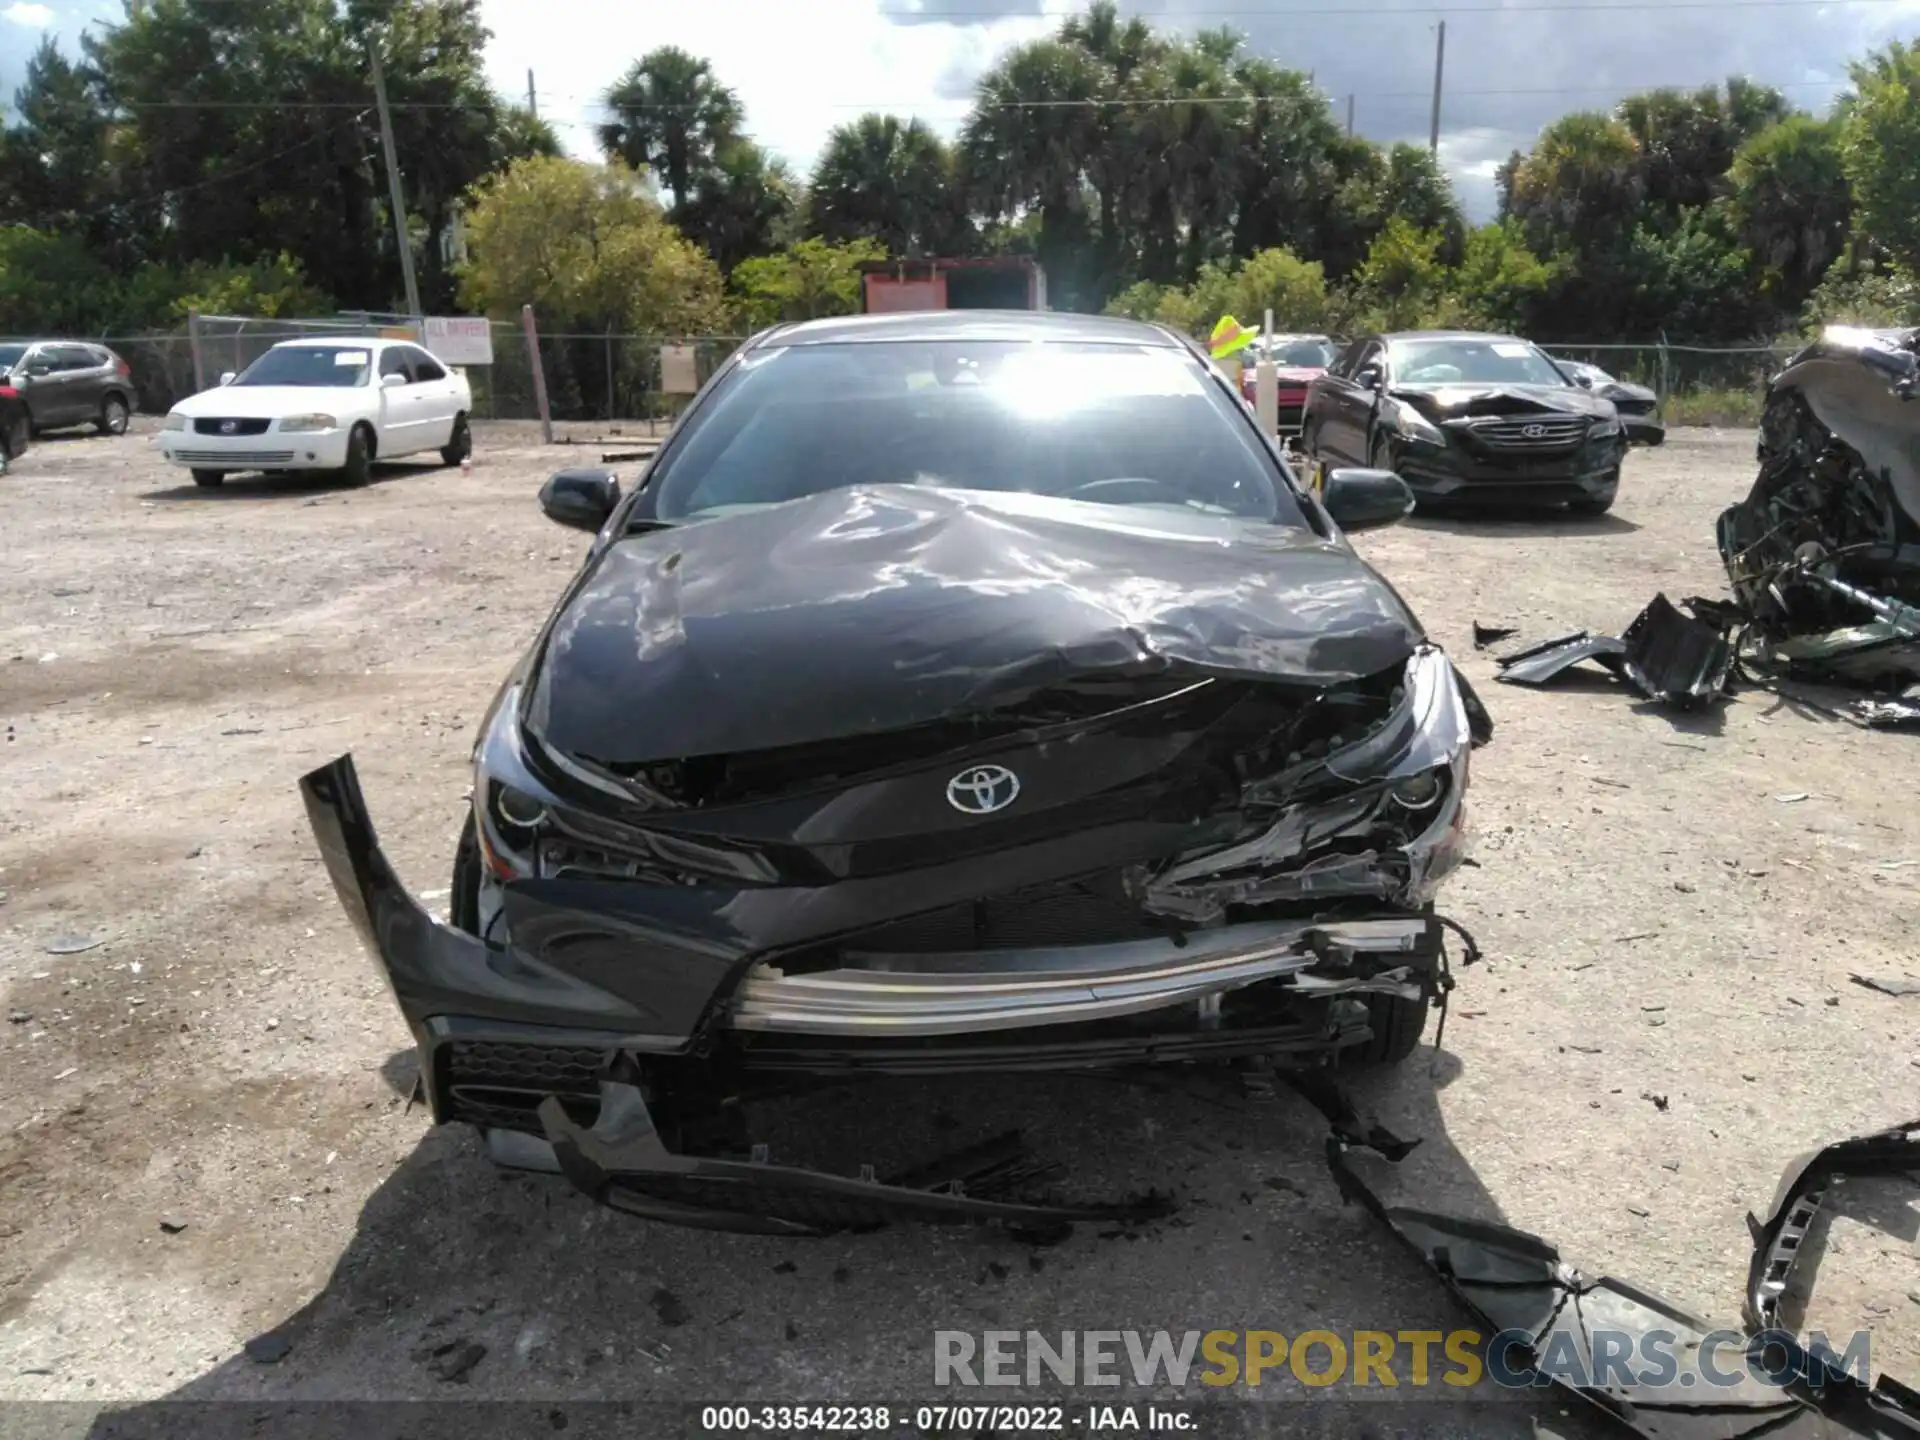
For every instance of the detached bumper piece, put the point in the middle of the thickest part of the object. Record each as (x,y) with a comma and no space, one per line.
(1674,659)
(1516,1283)
(622,1163)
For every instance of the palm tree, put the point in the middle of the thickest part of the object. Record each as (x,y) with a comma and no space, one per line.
(671,116)
(888,180)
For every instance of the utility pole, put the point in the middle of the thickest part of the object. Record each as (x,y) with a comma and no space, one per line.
(1349,114)
(393,182)
(533,101)
(1439,69)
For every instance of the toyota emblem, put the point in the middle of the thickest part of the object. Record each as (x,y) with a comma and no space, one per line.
(983,789)
(227,427)
(1533,432)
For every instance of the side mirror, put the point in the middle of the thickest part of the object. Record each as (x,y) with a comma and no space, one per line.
(1358,499)
(392,382)
(226,377)
(1583,380)
(1368,377)
(582,499)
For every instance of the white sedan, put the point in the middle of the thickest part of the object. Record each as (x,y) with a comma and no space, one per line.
(323,405)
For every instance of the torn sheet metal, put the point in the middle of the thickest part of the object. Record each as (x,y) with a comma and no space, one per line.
(1675,659)
(622,1162)
(1543,663)
(1888,985)
(1517,1285)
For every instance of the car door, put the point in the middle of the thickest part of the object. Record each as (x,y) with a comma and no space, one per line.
(439,394)
(1342,435)
(87,379)
(403,421)
(40,387)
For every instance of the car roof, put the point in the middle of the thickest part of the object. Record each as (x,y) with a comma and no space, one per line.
(1453,335)
(372,342)
(1018,325)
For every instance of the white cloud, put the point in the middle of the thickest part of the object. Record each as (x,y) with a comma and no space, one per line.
(799,69)
(25,12)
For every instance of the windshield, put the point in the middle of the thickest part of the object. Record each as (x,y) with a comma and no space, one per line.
(309,365)
(1118,424)
(1305,354)
(10,355)
(1472,361)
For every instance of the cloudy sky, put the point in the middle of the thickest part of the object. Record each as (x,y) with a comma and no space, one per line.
(804,66)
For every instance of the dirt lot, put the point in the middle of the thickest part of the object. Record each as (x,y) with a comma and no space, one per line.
(1671,908)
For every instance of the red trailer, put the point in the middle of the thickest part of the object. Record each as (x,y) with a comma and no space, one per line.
(1011,282)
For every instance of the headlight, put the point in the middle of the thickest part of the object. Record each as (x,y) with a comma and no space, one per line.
(1415,426)
(1417,792)
(174,421)
(1604,426)
(299,424)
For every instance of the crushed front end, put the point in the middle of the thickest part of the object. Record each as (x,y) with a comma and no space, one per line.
(1824,552)
(1118,870)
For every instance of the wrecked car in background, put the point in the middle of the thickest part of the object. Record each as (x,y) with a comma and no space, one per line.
(1638,405)
(958,692)
(1824,553)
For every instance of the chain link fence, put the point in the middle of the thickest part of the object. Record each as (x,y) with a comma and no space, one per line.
(617,376)
(1696,384)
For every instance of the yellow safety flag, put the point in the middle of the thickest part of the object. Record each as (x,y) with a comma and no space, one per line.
(1230,336)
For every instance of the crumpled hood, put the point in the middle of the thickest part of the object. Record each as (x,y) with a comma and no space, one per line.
(1449,402)
(869,609)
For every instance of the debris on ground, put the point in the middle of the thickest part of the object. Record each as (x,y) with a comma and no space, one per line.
(1666,656)
(1553,1321)
(1485,635)
(270,1348)
(1887,985)
(73,944)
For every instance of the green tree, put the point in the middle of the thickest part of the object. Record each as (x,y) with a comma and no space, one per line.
(589,249)
(810,278)
(1404,282)
(890,181)
(1581,185)
(1880,149)
(744,207)
(671,116)
(1789,204)
(1687,140)
(53,160)
(1500,283)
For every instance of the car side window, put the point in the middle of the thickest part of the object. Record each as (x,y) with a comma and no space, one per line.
(68,358)
(393,361)
(1348,362)
(425,367)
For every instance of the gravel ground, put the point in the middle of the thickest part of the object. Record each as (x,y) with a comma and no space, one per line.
(203,1131)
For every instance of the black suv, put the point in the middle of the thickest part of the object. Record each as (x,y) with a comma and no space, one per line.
(69,382)
(1466,417)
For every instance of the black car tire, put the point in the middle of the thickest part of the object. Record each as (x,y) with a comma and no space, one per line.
(459,444)
(359,467)
(115,414)
(1397,1026)
(209,479)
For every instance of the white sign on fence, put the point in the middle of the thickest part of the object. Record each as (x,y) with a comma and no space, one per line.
(679,370)
(460,340)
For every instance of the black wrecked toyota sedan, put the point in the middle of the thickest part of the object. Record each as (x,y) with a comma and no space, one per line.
(953,692)
(1465,417)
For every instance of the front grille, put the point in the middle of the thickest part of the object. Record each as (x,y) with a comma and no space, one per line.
(501,1083)
(1533,436)
(240,427)
(234,458)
